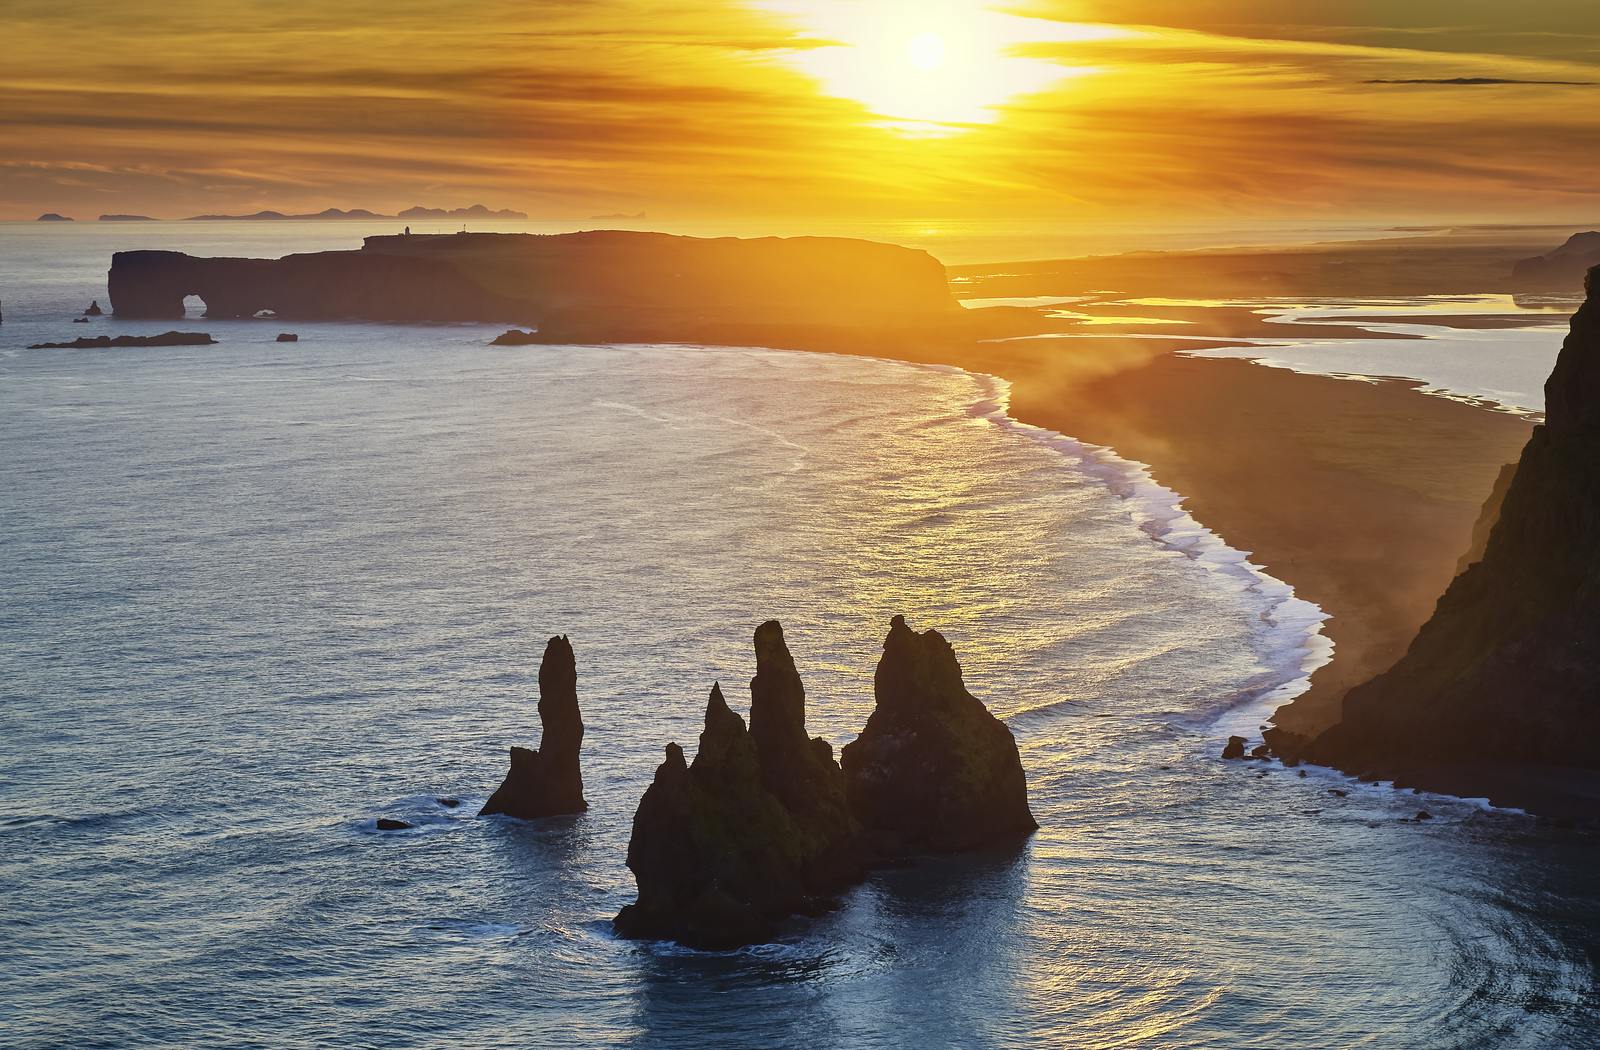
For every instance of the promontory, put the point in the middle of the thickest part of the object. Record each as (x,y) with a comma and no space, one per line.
(610,286)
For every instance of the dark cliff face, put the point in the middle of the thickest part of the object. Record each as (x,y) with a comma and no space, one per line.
(933,771)
(1507,671)
(605,285)
(547,782)
(753,832)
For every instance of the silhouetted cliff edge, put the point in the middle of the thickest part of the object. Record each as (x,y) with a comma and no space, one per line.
(1499,694)
(600,286)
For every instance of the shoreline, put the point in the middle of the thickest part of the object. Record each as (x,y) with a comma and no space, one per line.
(1361,496)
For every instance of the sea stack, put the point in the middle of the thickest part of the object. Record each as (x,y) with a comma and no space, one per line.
(933,771)
(757,829)
(547,782)
(1499,693)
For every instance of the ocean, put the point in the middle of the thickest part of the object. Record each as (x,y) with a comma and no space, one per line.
(258,595)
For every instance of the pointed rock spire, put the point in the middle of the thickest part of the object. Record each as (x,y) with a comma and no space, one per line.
(933,771)
(755,830)
(548,782)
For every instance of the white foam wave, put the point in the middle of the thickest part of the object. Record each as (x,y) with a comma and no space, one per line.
(1291,644)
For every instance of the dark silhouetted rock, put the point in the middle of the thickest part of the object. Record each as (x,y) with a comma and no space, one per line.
(547,782)
(1499,693)
(515,337)
(80,320)
(390,824)
(127,218)
(100,342)
(448,802)
(51,216)
(94,309)
(1338,791)
(1261,751)
(603,286)
(1423,814)
(933,771)
(756,830)
(1234,749)
(288,337)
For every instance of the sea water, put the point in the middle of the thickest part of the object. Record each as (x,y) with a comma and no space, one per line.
(258,595)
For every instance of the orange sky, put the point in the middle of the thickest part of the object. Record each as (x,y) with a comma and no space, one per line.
(1055,110)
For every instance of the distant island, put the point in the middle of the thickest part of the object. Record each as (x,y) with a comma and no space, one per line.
(51,216)
(127,218)
(476,211)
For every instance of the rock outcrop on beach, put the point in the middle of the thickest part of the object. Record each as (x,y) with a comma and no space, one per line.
(1499,693)
(755,830)
(606,286)
(548,782)
(1560,270)
(100,342)
(933,771)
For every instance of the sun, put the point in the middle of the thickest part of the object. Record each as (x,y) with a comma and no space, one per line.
(926,51)
(927,67)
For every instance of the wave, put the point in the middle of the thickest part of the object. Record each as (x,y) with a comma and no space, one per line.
(1291,643)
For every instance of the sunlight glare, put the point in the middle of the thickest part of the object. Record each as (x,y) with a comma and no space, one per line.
(929,67)
(926,51)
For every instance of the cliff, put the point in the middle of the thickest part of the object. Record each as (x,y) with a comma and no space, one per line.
(1499,693)
(1561,270)
(599,286)
(756,830)
(933,771)
(547,782)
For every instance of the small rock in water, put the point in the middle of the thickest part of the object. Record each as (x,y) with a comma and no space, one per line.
(80,320)
(1338,791)
(1262,751)
(1235,748)
(288,337)
(94,309)
(1302,772)
(448,802)
(390,824)
(1423,814)
(515,337)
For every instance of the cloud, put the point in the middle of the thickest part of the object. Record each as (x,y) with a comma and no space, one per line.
(1479,81)
(1243,108)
